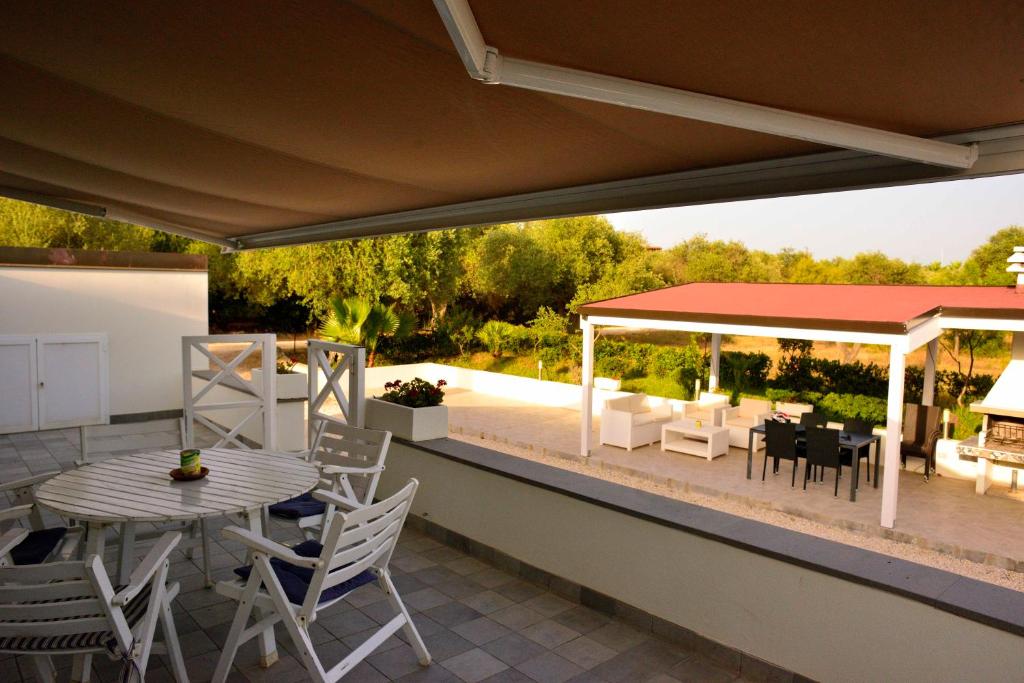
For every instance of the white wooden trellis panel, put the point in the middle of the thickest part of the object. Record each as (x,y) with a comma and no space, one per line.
(263,404)
(73,380)
(351,400)
(19,409)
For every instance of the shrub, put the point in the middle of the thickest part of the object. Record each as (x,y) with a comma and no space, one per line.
(621,360)
(840,407)
(968,423)
(416,393)
(417,347)
(952,382)
(499,337)
(774,394)
(753,369)
(550,338)
(457,329)
(666,361)
(684,364)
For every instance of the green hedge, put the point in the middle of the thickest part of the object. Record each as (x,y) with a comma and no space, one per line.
(682,364)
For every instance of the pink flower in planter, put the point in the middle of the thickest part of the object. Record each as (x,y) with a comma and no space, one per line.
(417,393)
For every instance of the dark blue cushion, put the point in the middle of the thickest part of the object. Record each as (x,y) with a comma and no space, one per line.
(295,580)
(37,546)
(303,506)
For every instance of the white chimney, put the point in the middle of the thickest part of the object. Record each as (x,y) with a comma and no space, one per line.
(1016,262)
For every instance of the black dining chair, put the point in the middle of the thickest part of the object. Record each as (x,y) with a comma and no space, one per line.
(861,427)
(922,429)
(813,420)
(823,452)
(810,421)
(780,444)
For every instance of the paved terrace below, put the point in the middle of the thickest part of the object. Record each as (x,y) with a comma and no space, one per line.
(479,623)
(943,514)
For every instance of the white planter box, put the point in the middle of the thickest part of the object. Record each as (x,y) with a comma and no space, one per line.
(607,383)
(412,424)
(289,385)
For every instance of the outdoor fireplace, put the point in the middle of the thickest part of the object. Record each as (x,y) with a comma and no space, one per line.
(1001,439)
(1005,433)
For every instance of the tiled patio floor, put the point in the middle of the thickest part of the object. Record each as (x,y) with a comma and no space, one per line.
(479,623)
(943,513)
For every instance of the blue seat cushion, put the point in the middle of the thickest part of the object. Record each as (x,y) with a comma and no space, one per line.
(295,580)
(38,545)
(296,508)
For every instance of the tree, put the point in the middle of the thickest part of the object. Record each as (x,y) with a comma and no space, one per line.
(987,264)
(628,277)
(699,259)
(357,321)
(31,225)
(875,268)
(510,271)
(953,342)
(438,266)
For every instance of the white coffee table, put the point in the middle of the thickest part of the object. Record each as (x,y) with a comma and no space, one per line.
(684,436)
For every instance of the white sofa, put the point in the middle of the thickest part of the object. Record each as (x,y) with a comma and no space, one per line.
(708,408)
(794,410)
(739,419)
(630,421)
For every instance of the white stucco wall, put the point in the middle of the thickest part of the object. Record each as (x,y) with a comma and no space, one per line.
(821,626)
(144,313)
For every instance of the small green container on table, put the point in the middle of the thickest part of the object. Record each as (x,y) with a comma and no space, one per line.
(190,461)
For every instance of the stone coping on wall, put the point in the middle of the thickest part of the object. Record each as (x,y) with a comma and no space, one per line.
(985,603)
(87,258)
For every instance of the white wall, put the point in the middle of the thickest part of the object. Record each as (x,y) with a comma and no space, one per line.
(823,627)
(540,392)
(144,313)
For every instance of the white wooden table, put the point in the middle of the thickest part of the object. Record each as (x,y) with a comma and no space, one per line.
(706,441)
(135,489)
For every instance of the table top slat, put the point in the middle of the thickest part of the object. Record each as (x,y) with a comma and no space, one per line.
(158,476)
(138,488)
(129,491)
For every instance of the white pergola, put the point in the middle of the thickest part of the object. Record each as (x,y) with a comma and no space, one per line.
(754,310)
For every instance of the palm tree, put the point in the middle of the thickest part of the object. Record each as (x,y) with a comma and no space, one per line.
(356,321)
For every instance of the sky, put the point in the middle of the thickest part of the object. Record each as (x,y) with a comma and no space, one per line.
(923,223)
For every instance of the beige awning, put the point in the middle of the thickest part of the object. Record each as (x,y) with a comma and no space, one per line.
(249,123)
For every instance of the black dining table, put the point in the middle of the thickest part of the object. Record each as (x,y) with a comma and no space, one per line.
(847,442)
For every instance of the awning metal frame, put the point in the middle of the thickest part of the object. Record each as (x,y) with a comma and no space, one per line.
(487,64)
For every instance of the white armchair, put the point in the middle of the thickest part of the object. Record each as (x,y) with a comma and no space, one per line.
(794,410)
(707,408)
(630,421)
(739,419)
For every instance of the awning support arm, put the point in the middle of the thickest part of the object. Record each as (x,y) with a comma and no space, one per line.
(486,64)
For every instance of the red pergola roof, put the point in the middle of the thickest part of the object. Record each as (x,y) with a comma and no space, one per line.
(890,309)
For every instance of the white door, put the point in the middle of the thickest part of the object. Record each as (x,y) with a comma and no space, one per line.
(72,380)
(19,410)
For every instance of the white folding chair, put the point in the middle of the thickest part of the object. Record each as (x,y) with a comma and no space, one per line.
(40,543)
(294,585)
(71,608)
(351,461)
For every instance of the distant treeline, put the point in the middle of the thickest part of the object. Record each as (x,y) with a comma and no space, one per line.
(506,272)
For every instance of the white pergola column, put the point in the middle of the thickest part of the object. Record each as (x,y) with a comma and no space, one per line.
(716,358)
(930,358)
(893,436)
(587,393)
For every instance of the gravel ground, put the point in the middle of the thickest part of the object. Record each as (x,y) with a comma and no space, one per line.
(932,558)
